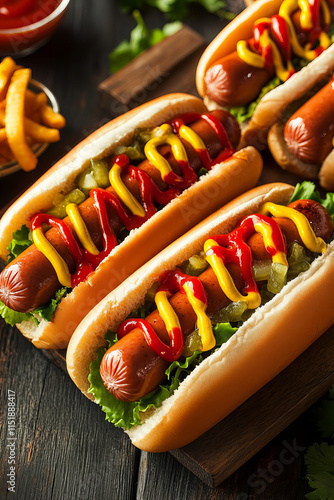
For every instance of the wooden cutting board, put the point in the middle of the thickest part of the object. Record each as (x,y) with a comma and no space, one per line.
(223,449)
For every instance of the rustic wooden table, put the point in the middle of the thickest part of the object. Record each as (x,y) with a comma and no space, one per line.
(64,449)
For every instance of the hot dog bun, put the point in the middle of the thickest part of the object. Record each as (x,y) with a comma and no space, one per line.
(287,159)
(239,173)
(272,105)
(271,339)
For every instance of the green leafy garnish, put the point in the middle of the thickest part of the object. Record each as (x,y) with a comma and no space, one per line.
(319,460)
(307,191)
(177,9)
(141,38)
(223,332)
(12,317)
(46,312)
(21,240)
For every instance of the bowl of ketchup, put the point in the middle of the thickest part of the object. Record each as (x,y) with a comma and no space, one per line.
(26,25)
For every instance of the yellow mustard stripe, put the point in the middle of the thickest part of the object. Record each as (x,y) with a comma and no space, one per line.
(305,231)
(305,15)
(123,193)
(248,56)
(225,280)
(257,61)
(53,256)
(81,228)
(266,232)
(190,136)
(286,10)
(203,322)
(164,135)
(282,72)
(166,311)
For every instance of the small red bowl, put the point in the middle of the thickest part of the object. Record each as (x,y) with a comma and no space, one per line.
(24,40)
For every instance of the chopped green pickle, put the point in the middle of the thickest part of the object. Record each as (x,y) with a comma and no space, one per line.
(133,152)
(96,175)
(85,181)
(75,196)
(261,270)
(298,260)
(277,278)
(297,254)
(196,265)
(136,150)
(232,313)
(99,169)
(192,343)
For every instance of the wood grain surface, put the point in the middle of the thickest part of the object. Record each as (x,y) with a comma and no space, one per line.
(169,66)
(64,448)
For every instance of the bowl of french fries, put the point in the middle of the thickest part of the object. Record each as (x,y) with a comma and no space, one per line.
(29,118)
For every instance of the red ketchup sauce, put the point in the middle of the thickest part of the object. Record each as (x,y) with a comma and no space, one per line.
(26,25)
(278,30)
(232,249)
(172,282)
(18,13)
(149,193)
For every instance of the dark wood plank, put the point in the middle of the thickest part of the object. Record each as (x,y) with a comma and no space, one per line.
(226,447)
(58,430)
(169,66)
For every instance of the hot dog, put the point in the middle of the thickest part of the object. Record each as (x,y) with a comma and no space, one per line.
(304,144)
(212,372)
(253,67)
(83,252)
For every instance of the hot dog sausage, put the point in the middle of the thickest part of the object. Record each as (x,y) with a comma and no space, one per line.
(310,130)
(131,369)
(31,281)
(231,82)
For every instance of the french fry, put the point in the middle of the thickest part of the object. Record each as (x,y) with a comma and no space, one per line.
(26,119)
(34,102)
(52,119)
(7,68)
(39,133)
(14,119)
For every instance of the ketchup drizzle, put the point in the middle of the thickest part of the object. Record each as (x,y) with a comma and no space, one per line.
(173,282)
(232,249)
(149,193)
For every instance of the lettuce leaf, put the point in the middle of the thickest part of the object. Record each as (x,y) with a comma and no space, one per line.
(307,191)
(141,38)
(13,317)
(21,240)
(127,414)
(46,312)
(176,9)
(319,460)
